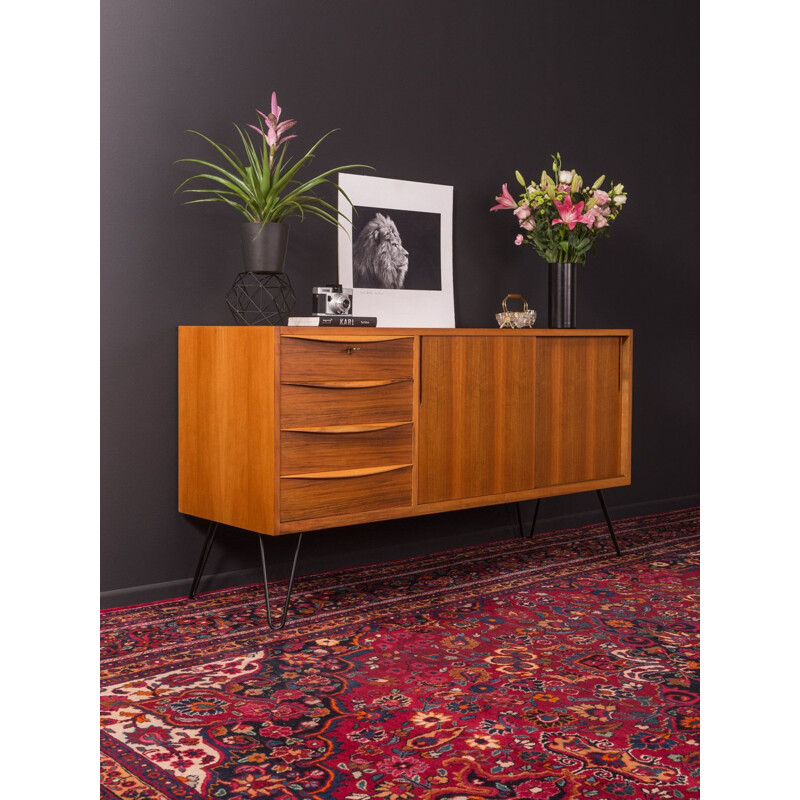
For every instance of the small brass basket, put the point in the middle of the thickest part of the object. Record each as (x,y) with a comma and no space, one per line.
(516,319)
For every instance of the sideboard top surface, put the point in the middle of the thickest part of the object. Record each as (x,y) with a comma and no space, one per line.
(314,330)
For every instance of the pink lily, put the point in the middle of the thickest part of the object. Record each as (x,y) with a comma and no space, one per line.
(504,200)
(570,215)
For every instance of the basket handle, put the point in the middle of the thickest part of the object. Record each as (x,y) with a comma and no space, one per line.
(517,297)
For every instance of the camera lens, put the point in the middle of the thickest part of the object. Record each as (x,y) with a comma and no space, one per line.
(340,303)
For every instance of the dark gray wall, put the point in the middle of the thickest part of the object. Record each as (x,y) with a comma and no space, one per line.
(444,92)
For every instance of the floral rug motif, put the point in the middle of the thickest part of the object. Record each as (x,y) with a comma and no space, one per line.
(546,669)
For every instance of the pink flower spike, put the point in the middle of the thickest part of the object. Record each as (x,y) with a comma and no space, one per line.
(504,200)
(276,109)
(570,215)
(520,239)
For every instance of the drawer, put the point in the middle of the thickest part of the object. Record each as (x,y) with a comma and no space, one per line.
(350,358)
(345,447)
(305,498)
(322,405)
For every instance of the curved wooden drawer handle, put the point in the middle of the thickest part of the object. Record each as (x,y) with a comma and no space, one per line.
(366,428)
(346,473)
(343,384)
(334,338)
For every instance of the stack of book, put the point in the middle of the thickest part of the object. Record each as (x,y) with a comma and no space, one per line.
(335,321)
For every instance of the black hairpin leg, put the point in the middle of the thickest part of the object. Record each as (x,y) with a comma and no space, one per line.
(533,524)
(535,515)
(201,564)
(273,626)
(605,514)
(608,522)
(519,521)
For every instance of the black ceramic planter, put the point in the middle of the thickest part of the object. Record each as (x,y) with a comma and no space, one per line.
(562,292)
(264,246)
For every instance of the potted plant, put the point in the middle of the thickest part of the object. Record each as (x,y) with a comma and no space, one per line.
(562,219)
(264,187)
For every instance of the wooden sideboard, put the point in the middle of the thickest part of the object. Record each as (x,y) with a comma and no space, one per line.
(284,430)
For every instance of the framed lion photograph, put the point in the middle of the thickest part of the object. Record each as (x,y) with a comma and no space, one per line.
(397,251)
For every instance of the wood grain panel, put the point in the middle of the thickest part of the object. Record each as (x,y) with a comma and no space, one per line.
(315,406)
(476,417)
(303,498)
(304,359)
(226,433)
(577,409)
(337,448)
(359,517)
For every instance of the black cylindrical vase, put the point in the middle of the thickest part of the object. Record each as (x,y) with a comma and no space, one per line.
(264,246)
(562,291)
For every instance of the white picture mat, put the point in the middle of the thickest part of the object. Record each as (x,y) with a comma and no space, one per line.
(400,308)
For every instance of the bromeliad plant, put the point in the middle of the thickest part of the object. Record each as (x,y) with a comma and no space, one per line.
(560,217)
(264,186)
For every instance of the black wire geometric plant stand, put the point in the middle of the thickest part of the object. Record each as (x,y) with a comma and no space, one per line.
(261,298)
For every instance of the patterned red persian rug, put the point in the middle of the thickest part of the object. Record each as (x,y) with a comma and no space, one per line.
(548,669)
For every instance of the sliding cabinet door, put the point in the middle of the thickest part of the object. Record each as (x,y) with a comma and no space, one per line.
(578,409)
(476,416)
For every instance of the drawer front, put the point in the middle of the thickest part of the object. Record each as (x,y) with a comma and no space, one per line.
(303,498)
(315,406)
(349,359)
(338,448)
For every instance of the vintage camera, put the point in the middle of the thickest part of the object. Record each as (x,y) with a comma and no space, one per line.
(331,300)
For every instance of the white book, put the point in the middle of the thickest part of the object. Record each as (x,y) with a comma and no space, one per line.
(335,321)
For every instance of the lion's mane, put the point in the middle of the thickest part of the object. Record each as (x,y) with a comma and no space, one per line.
(379,259)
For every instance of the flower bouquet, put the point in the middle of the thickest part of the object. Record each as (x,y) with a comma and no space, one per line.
(562,219)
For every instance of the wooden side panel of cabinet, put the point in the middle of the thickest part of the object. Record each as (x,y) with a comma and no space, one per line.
(578,409)
(226,425)
(476,416)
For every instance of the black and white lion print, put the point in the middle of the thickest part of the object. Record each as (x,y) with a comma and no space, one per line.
(379,259)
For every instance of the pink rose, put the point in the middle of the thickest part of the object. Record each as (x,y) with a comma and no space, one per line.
(520,239)
(523,212)
(602,197)
(596,217)
(527,224)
